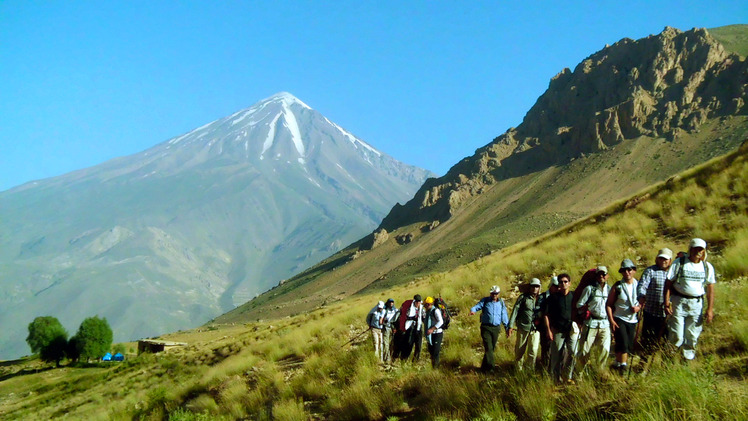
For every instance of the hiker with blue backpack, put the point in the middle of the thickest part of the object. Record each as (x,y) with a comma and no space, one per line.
(493,315)
(690,279)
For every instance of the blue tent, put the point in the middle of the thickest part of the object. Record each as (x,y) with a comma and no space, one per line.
(107,357)
(118,357)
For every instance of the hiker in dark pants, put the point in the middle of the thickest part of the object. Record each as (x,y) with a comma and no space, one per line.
(411,325)
(433,321)
(561,331)
(623,309)
(493,315)
(545,344)
(651,294)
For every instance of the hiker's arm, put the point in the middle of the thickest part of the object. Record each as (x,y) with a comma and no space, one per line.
(709,302)
(476,308)
(609,308)
(666,301)
(548,327)
(643,287)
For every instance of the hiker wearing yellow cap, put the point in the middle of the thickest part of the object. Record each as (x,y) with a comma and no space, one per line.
(433,321)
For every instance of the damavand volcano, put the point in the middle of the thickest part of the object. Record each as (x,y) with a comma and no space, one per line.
(172,236)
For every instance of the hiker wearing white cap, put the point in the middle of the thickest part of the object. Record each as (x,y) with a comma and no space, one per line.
(493,315)
(689,280)
(525,319)
(596,336)
(651,294)
(623,309)
(374,319)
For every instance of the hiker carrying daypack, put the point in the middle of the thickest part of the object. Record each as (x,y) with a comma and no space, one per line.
(446,315)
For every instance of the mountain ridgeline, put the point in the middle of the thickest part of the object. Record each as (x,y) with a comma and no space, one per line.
(172,236)
(629,116)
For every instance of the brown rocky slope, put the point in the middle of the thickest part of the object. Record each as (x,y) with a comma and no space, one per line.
(629,116)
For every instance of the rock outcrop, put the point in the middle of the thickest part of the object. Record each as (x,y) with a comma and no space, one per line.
(660,86)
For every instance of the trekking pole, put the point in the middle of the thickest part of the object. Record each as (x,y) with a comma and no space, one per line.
(356,337)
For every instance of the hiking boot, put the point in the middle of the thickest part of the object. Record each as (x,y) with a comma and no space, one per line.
(689,354)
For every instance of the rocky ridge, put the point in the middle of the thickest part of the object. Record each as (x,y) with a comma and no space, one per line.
(661,86)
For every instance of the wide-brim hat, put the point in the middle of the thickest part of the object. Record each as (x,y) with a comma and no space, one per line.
(535,282)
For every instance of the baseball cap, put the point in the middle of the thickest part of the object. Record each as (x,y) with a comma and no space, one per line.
(495,290)
(697,242)
(554,281)
(603,269)
(417,297)
(380,304)
(665,253)
(535,282)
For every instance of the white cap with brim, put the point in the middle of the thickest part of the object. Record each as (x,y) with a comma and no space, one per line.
(665,253)
(697,242)
(380,304)
(495,290)
(535,282)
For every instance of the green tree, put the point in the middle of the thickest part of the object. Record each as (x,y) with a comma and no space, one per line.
(94,337)
(48,338)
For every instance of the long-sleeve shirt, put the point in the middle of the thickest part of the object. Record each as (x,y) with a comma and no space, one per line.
(493,313)
(652,288)
(524,313)
(595,299)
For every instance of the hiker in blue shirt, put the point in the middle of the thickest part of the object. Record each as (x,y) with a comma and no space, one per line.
(493,315)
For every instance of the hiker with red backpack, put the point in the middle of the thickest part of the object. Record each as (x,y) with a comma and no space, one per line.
(433,320)
(689,280)
(493,315)
(525,319)
(410,326)
(596,336)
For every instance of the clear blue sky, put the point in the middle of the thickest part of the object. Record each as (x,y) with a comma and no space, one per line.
(427,82)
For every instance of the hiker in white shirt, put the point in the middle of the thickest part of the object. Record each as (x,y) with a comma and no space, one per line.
(596,336)
(689,280)
(623,308)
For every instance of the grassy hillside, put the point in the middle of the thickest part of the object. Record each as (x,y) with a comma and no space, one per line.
(312,366)
(505,213)
(733,37)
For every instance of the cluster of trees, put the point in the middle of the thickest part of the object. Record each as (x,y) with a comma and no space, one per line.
(50,340)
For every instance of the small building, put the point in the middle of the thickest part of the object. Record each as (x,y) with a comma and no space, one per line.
(154,345)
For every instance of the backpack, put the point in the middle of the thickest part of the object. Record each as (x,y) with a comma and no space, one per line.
(446,315)
(403,315)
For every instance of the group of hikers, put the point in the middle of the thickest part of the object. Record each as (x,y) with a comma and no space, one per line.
(564,330)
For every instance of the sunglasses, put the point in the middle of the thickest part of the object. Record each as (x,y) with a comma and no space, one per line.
(629,269)
(564,282)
